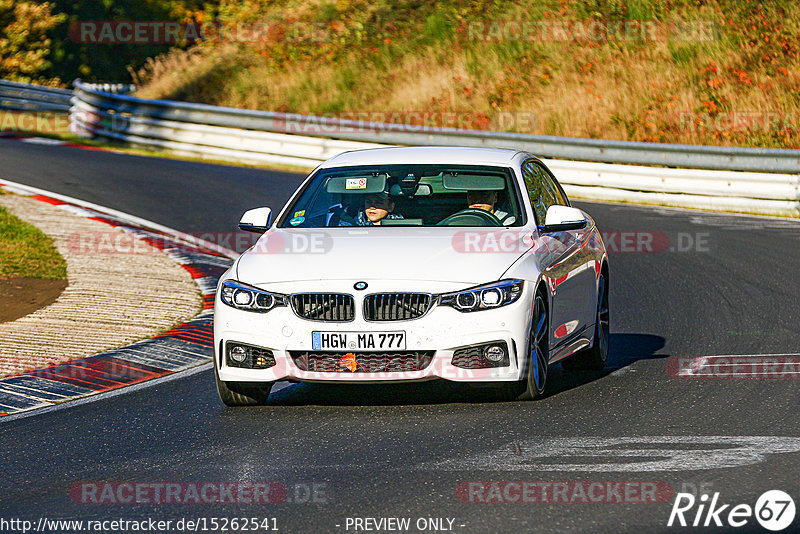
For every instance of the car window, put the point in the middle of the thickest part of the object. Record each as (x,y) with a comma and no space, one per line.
(408,195)
(541,193)
(552,186)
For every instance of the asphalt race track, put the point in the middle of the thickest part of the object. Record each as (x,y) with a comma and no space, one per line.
(697,284)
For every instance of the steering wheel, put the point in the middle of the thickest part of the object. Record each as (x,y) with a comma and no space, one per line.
(471,217)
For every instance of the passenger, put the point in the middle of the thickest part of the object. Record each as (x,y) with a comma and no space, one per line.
(486,200)
(377,207)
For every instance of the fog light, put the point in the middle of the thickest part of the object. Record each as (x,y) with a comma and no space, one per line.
(238,354)
(494,353)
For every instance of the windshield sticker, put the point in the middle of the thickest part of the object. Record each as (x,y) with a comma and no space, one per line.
(299,213)
(355,183)
(297,220)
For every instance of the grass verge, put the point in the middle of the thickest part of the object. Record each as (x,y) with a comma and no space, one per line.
(26,252)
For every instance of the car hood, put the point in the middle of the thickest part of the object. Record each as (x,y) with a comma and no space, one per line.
(470,256)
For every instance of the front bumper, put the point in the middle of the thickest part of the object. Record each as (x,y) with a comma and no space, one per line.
(439,333)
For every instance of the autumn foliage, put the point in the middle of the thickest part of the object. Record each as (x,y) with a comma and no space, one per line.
(24,42)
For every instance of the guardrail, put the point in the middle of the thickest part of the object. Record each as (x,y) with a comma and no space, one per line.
(268,137)
(738,179)
(689,156)
(30,97)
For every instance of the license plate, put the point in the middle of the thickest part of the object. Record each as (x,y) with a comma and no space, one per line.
(358,340)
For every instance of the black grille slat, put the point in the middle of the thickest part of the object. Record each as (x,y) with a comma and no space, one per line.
(329,307)
(380,362)
(396,306)
(416,302)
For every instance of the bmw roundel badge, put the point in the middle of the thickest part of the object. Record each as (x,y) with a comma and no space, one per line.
(360,286)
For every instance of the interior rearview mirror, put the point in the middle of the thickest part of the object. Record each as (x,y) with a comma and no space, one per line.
(423,190)
(256,220)
(562,218)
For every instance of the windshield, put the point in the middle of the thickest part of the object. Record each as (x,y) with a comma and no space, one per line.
(408,195)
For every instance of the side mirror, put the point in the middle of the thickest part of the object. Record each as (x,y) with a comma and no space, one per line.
(562,218)
(256,220)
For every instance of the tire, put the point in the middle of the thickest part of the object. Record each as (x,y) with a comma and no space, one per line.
(242,393)
(537,350)
(595,357)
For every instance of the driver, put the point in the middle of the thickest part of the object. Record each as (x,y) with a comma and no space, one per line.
(486,200)
(377,207)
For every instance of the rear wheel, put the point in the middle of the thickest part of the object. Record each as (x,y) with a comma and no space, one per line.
(242,393)
(595,357)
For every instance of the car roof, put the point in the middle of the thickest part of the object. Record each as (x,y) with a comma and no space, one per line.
(424,155)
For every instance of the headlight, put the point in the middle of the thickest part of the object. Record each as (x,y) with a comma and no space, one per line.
(243,297)
(484,297)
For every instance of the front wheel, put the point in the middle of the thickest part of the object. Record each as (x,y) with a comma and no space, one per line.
(242,393)
(538,354)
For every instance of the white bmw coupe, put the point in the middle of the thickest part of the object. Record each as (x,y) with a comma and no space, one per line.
(410,264)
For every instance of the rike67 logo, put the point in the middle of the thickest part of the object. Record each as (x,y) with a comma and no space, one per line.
(774,510)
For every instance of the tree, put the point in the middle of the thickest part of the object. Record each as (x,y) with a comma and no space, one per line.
(24,43)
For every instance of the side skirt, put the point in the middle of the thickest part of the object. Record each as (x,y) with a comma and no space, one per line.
(571,347)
